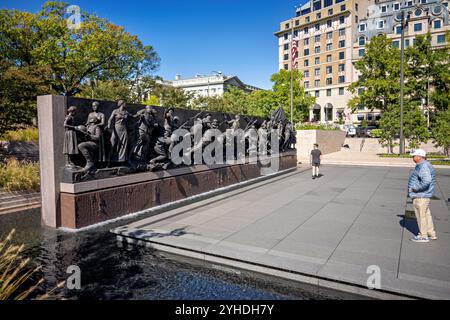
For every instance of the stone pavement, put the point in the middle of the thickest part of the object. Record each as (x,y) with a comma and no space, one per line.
(326,231)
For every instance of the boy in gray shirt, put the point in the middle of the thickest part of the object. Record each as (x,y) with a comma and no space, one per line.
(315,160)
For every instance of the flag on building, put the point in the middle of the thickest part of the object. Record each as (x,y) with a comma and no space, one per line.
(294,52)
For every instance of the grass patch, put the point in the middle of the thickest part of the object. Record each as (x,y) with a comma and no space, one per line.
(440,162)
(407,155)
(19,175)
(316,126)
(23,135)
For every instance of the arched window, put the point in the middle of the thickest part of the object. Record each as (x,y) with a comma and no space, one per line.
(362,41)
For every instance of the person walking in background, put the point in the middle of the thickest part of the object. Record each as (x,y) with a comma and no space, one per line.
(421,186)
(315,160)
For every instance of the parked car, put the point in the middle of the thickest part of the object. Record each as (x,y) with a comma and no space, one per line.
(350,129)
(365,132)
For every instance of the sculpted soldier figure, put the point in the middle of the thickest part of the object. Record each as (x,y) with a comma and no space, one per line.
(119,137)
(262,138)
(235,123)
(162,150)
(146,123)
(89,148)
(168,120)
(70,147)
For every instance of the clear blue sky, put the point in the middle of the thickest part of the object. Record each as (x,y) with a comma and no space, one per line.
(198,36)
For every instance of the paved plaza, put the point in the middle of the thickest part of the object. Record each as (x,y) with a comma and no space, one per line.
(326,231)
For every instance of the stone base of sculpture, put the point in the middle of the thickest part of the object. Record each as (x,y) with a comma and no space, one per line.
(92,202)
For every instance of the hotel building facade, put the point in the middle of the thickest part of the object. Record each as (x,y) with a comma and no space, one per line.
(331,36)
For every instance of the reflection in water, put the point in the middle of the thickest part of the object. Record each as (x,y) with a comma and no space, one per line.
(112,271)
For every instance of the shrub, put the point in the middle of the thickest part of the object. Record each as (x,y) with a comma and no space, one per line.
(19,175)
(376,133)
(316,126)
(27,134)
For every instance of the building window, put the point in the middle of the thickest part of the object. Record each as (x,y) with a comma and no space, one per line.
(317,93)
(318,16)
(286,46)
(341,43)
(329,58)
(417,27)
(362,41)
(329,22)
(286,26)
(362,27)
(317,38)
(317,27)
(441,38)
(286,57)
(341,91)
(406,43)
(437,24)
(286,67)
(398,29)
(341,55)
(361,52)
(330,12)
(329,35)
(383,9)
(295,33)
(286,36)
(341,79)
(360,117)
(396,6)
(306,63)
(306,52)
(356,19)
(305,30)
(307,19)
(329,81)
(317,60)
(396,44)
(343,7)
(306,84)
(341,19)
(380,24)
(317,72)
(297,22)
(341,67)
(418,12)
(329,69)
(306,73)
(356,7)
(306,41)
(317,83)
(341,32)
(328,92)
(317,49)
(329,46)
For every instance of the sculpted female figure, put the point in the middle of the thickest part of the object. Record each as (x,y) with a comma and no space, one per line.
(70,137)
(101,123)
(117,123)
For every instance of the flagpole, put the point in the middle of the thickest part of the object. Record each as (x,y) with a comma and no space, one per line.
(292,72)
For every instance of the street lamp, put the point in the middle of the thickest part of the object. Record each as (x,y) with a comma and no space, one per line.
(402,79)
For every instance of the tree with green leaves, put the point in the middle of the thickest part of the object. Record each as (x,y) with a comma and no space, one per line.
(98,49)
(378,84)
(281,87)
(441,130)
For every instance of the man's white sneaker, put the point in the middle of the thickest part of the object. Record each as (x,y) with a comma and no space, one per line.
(420,239)
(433,238)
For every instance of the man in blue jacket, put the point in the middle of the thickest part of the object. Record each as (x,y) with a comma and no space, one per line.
(421,188)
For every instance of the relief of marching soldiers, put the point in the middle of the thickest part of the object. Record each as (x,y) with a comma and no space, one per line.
(106,143)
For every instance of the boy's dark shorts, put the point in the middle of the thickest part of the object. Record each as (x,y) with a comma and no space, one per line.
(316,164)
